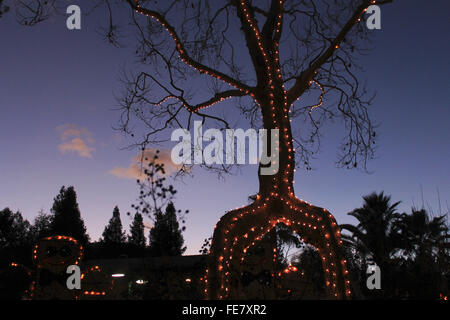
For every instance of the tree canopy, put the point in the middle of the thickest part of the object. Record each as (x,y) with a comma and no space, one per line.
(166,238)
(137,236)
(66,218)
(13,229)
(412,250)
(42,226)
(113,232)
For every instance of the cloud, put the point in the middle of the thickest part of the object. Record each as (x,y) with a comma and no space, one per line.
(148,225)
(132,172)
(75,140)
(76,145)
(136,170)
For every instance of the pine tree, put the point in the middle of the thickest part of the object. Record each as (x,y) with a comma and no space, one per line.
(137,236)
(66,218)
(165,237)
(113,231)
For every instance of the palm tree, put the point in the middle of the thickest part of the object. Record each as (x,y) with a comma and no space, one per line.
(374,236)
(410,249)
(424,245)
(420,235)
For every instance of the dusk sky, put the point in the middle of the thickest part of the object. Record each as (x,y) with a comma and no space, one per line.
(57,115)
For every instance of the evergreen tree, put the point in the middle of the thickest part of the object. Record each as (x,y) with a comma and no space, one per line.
(113,231)
(165,237)
(42,226)
(137,236)
(15,242)
(13,229)
(66,218)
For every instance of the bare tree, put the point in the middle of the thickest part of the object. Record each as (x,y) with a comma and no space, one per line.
(268,57)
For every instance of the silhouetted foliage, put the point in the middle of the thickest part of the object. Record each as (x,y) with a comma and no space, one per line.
(113,232)
(205,246)
(137,236)
(286,239)
(411,250)
(13,229)
(421,236)
(15,246)
(15,240)
(165,237)
(425,265)
(42,226)
(66,218)
(374,236)
(310,264)
(154,195)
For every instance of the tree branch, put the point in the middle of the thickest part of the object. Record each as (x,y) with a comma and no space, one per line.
(302,81)
(185,57)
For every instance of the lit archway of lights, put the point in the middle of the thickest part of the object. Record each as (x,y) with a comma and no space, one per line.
(244,227)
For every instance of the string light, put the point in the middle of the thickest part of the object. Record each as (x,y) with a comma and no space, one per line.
(97,283)
(60,238)
(43,262)
(186,58)
(317,224)
(311,108)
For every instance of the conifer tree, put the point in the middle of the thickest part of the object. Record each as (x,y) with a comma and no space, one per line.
(166,237)
(137,236)
(66,219)
(113,232)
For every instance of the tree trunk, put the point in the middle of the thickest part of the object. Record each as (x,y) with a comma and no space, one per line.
(240,229)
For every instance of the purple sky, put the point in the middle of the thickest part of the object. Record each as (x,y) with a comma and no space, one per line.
(57,93)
